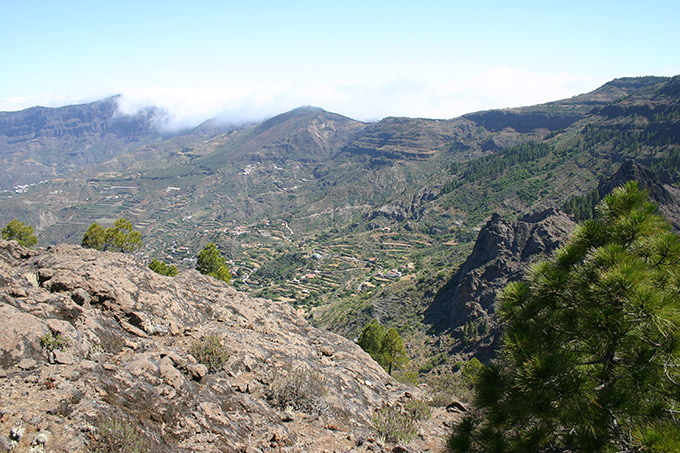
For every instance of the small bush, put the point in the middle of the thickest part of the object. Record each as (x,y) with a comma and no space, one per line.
(211,262)
(418,410)
(120,237)
(447,388)
(161,268)
(407,377)
(301,389)
(394,425)
(470,370)
(117,434)
(210,351)
(50,342)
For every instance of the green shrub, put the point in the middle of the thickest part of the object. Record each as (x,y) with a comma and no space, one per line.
(384,345)
(589,360)
(394,425)
(117,434)
(120,237)
(50,342)
(418,410)
(470,370)
(283,268)
(211,262)
(447,388)
(210,351)
(161,268)
(301,389)
(407,377)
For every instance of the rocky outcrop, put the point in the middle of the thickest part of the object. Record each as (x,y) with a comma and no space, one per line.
(400,210)
(93,337)
(660,187)
(466,305)
(501,254)
(94,119)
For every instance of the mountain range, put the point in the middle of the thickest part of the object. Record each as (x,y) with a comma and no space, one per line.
(343,219)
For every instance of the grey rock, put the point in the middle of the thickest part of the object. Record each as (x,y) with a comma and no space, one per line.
(170,374)
(456,407)
(17,292)
(61,357)
(35,420)
(42,438)
(143,367)
(17,433)
(326,351)
(502,253)
(660,187)
(27,364)
(157,384)
(81,297)
(178,361)
(7,444)
(88,365)
(197,371)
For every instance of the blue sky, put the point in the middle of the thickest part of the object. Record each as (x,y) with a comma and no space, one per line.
(364,59)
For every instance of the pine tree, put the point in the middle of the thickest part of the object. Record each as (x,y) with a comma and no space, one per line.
(123,237)
(120,237)
(210,262)
(384,345)
(20,232)
(94,237)
(591,354)
(371,338)
(393,350)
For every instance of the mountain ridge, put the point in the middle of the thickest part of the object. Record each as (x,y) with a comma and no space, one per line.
(41,143)
(348,220)
(78,129)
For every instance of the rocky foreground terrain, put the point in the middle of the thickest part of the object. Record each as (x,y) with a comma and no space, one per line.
(92,341)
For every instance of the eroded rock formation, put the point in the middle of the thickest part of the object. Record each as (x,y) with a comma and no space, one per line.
(501,254)
(90,335)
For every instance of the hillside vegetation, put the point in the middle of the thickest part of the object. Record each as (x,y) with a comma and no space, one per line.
(590,352)
(350,221)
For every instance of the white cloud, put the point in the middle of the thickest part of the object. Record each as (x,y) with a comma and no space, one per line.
(188,106)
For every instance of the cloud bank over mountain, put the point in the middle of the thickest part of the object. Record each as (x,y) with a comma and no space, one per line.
(446,98)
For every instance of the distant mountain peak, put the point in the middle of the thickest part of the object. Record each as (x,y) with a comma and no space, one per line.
(307,109)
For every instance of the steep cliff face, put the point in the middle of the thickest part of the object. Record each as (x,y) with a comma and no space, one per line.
(90,334)
(97,118)
(660,187)
(408,138)
(501,254)
(503,251)
(563,113)
(41,143)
